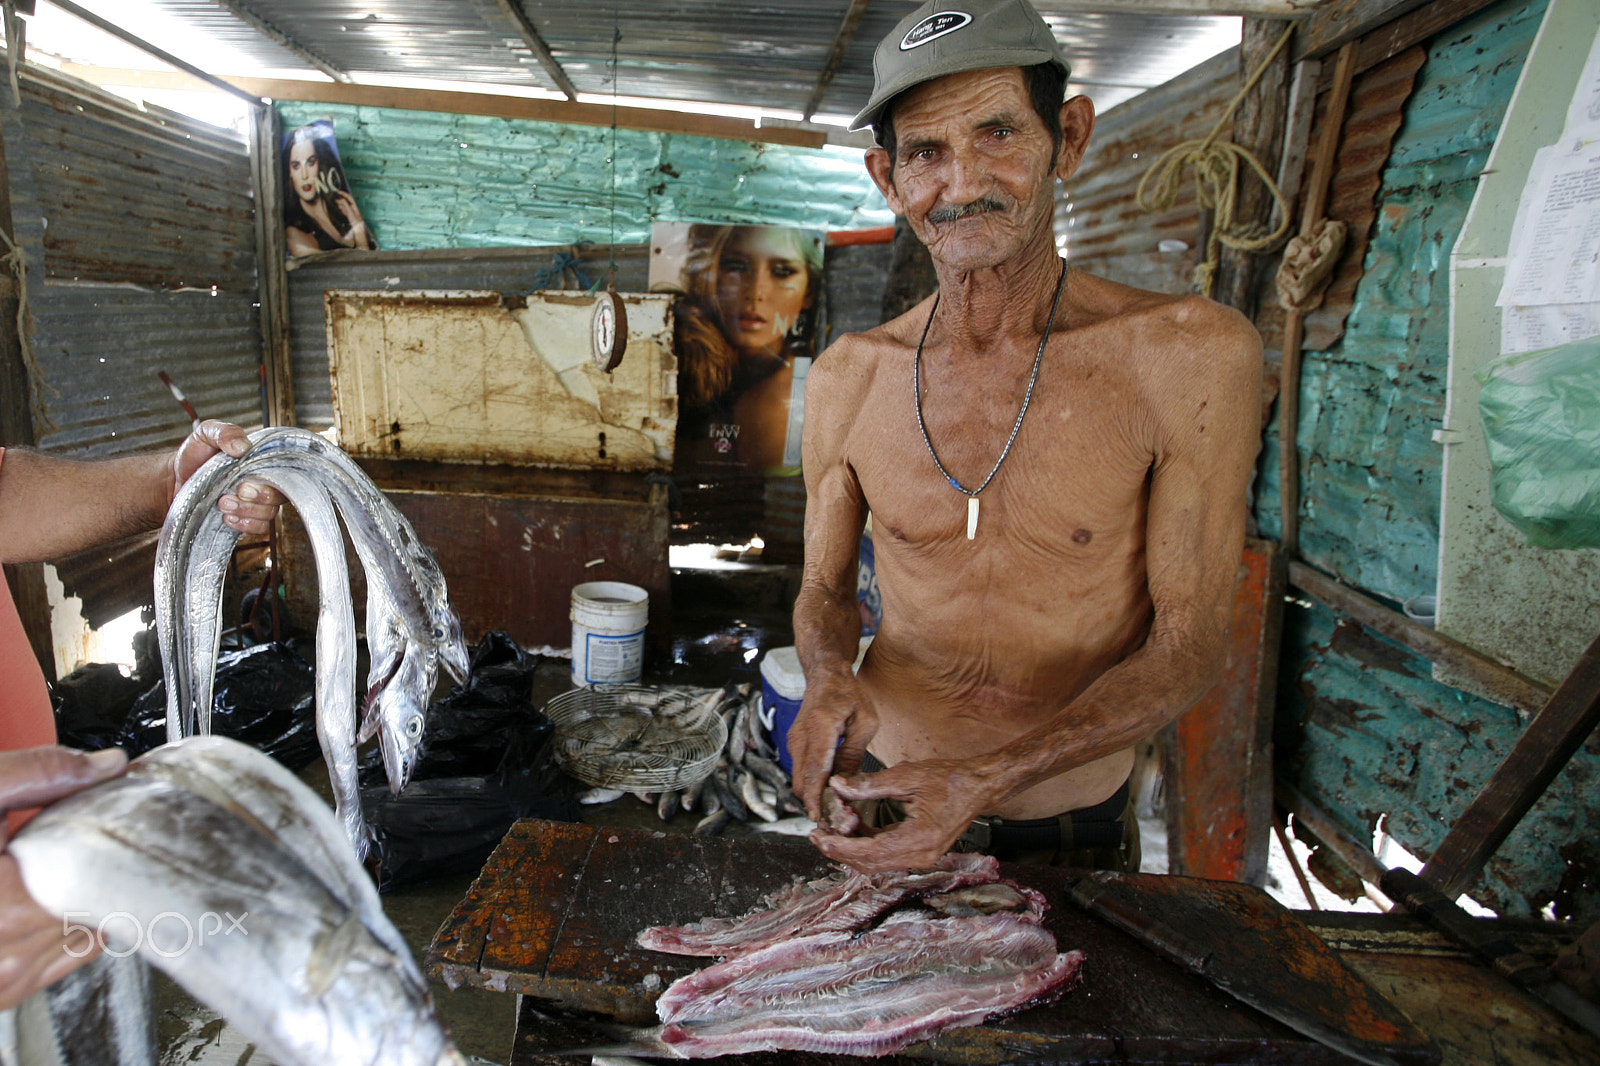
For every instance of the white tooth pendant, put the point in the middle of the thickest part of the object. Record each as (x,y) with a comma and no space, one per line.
(972,517)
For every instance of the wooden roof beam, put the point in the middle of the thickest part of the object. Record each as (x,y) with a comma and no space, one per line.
(241,11)
(536,45)
(841,43)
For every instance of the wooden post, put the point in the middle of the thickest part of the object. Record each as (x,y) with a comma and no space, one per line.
(16,430)
(1258,127)
(272,277)
(1316,203)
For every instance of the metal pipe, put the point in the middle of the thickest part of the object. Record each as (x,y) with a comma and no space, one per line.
(166,57)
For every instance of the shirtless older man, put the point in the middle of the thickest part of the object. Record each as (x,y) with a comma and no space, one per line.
(1056,468)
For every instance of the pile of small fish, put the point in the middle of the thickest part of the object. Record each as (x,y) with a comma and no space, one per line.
(858,964)
(411,627)
(747,783)
(221,868)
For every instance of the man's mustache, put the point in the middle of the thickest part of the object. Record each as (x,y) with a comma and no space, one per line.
(982,205)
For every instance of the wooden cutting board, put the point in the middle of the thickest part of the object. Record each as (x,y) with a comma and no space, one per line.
(555,910)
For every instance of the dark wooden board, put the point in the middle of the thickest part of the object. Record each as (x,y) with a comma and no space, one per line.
(555,910)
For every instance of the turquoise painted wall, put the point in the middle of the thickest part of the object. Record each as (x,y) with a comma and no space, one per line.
(1362,726)
(427,179)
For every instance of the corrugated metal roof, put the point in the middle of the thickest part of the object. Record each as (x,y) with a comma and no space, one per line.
(769,53)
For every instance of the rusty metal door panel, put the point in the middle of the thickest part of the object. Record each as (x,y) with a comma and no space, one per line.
(1219,754)
(471,377)
(511,561)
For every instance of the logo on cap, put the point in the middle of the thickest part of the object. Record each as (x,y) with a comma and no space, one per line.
(933,27)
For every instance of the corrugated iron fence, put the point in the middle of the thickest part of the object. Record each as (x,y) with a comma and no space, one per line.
(138,230)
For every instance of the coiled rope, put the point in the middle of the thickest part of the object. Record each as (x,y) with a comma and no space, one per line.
(1216,174)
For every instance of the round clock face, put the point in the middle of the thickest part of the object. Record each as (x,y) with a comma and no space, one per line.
(608,331)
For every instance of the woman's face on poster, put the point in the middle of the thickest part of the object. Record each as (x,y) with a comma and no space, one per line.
(304,169)
(762,288)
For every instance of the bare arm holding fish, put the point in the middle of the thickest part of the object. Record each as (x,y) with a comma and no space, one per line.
(35,950)
(50,507)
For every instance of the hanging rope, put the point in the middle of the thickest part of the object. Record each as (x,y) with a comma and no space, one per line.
(1216,174)
(38,390)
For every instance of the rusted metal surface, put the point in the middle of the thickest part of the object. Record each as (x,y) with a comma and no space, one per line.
(511,561)
(1241,940)
(160,201)
(474,377)
(1376,106)
(555,910)
(1218,771)
(128,219)
(1505,684)
(511,271)
(1554,735)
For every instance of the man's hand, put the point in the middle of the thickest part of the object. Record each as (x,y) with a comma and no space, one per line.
(829,736)
(34,949)
(253,508)
(940,802)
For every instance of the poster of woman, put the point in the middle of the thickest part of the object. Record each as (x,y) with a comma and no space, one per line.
(319,212)
(746,332)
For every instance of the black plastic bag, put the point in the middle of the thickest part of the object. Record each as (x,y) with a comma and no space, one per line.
(469,730)
(91,705)
(264,696)
(449,825)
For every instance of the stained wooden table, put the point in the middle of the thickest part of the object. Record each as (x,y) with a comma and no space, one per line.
(555,910)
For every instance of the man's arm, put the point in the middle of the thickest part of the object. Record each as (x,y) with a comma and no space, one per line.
(52,507)
(1208,433)
(827,621)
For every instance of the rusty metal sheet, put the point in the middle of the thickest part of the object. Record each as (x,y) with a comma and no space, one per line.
(555,910)
(1219,756)
(1106,232)
(472,377)
(511,560)
(1377,105)
(1243,941)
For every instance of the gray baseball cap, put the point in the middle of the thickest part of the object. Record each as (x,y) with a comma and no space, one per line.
(950,36)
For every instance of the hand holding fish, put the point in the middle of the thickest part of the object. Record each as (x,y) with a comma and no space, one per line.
(940,797)
(253,507)
(34,949)
(829,736)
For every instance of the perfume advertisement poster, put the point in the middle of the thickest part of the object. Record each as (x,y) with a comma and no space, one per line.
(746,333)
(320,215)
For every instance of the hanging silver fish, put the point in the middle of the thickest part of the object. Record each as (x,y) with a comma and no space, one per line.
(411,625)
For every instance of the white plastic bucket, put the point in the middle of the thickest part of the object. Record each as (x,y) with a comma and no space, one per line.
(608,620)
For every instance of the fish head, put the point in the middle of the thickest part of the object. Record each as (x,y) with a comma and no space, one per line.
(452,644)
(402,715)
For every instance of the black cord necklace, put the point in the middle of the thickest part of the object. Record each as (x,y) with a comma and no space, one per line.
(1027,397)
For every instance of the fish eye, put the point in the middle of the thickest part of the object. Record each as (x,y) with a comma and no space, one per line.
(414,727)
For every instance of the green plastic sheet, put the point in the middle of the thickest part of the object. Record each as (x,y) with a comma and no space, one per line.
(1541,418)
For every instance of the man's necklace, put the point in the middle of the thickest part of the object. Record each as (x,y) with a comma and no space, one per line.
(1027,397)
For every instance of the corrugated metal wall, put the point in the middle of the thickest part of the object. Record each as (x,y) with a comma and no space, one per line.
(1367,730)
(138,231)
(1104,229)
(427,179)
